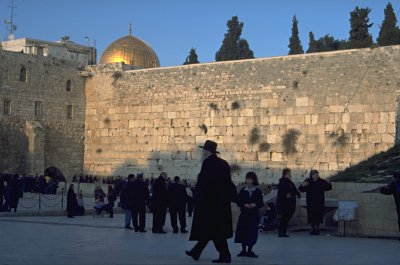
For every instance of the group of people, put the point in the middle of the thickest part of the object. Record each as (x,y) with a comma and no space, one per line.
(136,196)
(76,205)
(211,204)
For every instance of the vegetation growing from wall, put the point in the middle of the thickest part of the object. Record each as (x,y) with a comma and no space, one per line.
(204,128)
(254,136)
(289,142)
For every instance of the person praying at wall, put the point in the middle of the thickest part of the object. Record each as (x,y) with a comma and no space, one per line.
(315,188)
(250,201)
(394,189)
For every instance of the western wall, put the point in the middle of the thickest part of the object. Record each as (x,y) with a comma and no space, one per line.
(326,111)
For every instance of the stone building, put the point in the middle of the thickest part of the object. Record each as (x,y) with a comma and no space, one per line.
(326,111)
(64,50)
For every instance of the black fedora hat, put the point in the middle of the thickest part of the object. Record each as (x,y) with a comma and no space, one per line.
(210,146)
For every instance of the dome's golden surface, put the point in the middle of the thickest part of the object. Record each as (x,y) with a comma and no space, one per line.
(132,51)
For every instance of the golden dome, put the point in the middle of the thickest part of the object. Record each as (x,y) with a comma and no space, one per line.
(132,51)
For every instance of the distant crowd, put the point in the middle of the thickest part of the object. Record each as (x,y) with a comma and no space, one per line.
(13,186)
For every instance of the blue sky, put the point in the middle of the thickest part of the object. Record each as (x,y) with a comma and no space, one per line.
(172,27)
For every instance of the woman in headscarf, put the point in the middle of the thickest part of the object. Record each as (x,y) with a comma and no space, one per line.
(72,203)
(315,188)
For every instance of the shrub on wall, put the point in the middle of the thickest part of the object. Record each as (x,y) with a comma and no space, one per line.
(213,106)
(264,147)
(254,135)
(204,128)
(290,140)
(235,105)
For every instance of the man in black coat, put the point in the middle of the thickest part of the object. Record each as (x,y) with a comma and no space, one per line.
(212,218)
(394,189)
(139,196)
(286,201)
(177,198)
(159,203)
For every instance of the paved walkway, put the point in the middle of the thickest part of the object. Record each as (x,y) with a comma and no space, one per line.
(97,240)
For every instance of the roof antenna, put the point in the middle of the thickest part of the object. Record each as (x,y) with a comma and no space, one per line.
(11,27)
(130,29)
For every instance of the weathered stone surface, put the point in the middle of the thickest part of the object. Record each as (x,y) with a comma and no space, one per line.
(196,101)
(153,120)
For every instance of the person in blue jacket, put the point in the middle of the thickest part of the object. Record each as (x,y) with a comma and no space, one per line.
(250,200)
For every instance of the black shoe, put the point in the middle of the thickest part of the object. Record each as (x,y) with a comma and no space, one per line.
(283,236)
(71,217)
(175,231)
(251,254)
(184,231)
(242,254)
(190,254)
(162,232)
(128,227)
(142,231)
(222,260)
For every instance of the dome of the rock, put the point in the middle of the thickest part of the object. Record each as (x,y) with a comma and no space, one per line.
(132,51)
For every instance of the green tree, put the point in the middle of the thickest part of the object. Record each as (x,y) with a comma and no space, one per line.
(312,44)
(389,33)
(233,47)
(359,33)
(192,58)
(294,41)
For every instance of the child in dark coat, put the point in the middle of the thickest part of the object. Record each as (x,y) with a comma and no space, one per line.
(250,200)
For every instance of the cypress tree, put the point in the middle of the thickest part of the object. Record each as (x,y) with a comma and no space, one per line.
(294,41)
(312,44)
(389,33)
(233,47)
(192,58)
(359,34)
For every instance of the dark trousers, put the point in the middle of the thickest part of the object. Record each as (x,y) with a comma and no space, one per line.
(174,214)
(284,221)
(220,244)
(159,215)
(141,213)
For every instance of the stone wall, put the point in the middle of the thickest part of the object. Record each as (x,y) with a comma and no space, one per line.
(325,110)
(30,143)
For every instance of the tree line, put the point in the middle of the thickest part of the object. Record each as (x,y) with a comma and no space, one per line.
(234,47)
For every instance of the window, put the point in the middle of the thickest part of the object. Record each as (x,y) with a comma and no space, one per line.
(69,112)
(22,74)
(69,85)
(38,109)
(7,107)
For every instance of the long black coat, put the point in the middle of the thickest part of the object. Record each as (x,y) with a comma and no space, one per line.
(249,219)
(159,197)
(16,192)
(72,202)
(315,199)
(177,196)
(138,194)
(284,204)
(214,192)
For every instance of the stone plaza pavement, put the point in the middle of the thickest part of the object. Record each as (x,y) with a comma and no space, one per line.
(101,240)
